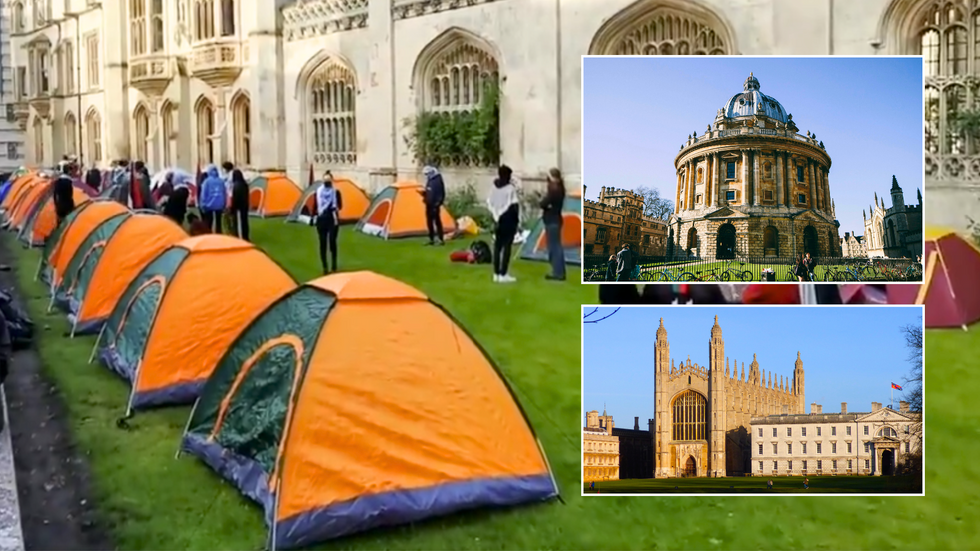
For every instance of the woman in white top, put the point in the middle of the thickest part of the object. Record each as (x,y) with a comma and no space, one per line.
(504,203)
(328,205)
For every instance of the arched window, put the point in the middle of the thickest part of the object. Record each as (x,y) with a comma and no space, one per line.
(888,431)
(71,134)
(241,111)
(141,120)
(167,123)
(93,136)
(700,175)
(227,17)
(137,27)
(205,131)
(157,39)
(690,420)
(203,19)
(662,30)
(38,131)
(17,17)
(459,77)
(770,241)
(331,100)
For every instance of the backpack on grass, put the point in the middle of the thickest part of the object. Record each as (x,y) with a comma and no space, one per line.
(481,252)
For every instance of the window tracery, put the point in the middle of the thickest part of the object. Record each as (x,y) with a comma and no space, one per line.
(141,119)
(459,77)
(331,100)
(669,32)
(689,416)
(205,131)
(93,135)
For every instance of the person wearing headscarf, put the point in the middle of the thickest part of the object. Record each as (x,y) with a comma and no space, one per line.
(434,195)
(239,203)
(327,221)
(63,196)
(176,206)
(504,204)
(212,199)
(93,179)
(551,206)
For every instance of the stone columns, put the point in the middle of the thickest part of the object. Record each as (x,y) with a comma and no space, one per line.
(709,168)
(716,174)
(689,184)
(745,178)
(780,181)
(813,184)
(266,93)
(115,81)
(755,177)
(680,181)
(789,176)
(154,149)
(220,139)
(381,95)
(826,189)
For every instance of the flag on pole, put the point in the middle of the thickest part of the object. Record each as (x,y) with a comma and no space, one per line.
(896,387)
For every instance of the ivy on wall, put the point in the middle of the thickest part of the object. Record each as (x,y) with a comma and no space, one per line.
(458,138)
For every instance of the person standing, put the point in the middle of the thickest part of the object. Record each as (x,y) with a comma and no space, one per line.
(63,195)
(213,199)
(231,221)
(176,206)
(239,204)
(611,267)
(551,206)
(327,221)
(504,204)
(624,263)
(810,264)
(434,195)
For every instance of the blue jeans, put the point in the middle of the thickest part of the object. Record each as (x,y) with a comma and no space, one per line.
(556,252)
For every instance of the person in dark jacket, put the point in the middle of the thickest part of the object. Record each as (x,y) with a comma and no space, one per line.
(212,199)
(175,207)
(551,206)
(239,204)
(63,196)
(140,188)
(811,264)
(434,195)
(611,266)
(504,203)
(624,263)
(93,179)
(327,220)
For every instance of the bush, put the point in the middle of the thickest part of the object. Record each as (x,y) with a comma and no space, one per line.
(458,138)
(464,201)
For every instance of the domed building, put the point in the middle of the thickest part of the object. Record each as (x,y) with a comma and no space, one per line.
(752,186)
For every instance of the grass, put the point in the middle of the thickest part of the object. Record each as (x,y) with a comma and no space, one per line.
(757,485)
(532,329)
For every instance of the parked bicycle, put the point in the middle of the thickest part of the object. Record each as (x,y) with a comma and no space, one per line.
(731,273)
(670,275)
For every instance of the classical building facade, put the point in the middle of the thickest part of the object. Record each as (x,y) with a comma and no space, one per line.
(752,186)
(617,218)
(880,442)
(896,231)
(279,84)
(703,413)
(853,246)
(11,135)
(600,459)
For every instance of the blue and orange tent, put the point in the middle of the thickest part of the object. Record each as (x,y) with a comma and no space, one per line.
(355,402)
(535,247)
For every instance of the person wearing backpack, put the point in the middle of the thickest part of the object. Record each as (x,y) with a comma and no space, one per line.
(504,204)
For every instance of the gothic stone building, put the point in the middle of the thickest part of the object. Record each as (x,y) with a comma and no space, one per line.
(880,442)
(600,457)
(617,218)
(750,185)
(704,413)
(635,450)
(894,232)
(853,246)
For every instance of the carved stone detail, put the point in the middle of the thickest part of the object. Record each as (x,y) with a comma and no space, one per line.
(404,9)
(308,18)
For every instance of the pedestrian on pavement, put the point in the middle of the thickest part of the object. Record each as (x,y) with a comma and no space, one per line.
(327,221)
(551,207)
(434,195)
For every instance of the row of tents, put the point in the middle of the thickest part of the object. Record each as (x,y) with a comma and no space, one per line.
(339,405)
(395,212)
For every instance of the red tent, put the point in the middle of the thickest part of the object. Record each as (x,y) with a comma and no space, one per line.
(949,289)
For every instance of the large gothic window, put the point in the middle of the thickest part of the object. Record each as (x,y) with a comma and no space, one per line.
(203,19)
(690,416)
(331,101)
(141,119)
(167,121)
(93,136)
(662,31)
(241,110)
(156,26)
(205,131)
(459,78)
(71,134)
(137,27)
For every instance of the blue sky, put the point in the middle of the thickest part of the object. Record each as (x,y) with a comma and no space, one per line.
(850,354)
(867,111)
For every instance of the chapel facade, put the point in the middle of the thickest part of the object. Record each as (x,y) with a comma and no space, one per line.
(896,231)
(704,413)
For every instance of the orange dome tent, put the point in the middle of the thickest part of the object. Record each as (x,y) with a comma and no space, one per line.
(178,317)
(16,189)
(272,195)
(62,246)
(398,211)
(42,220)
(949,290)
(23,203)
(354,402)
(104,265)
(355,202)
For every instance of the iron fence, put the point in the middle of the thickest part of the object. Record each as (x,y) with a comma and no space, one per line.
(661,268)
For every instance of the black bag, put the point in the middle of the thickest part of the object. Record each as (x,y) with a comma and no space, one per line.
(19,323)
(481,252)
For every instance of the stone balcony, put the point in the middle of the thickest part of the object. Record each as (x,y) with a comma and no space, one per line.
(41,104)
(751,131)
(22,113)
(217,62)
(151,74)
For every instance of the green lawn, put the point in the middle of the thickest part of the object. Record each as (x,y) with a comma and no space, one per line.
(532,329)
(757,485)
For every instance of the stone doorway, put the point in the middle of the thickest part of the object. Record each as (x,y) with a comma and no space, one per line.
(888,463)
(810,243)
(692,242)
(690,468)
(726,242)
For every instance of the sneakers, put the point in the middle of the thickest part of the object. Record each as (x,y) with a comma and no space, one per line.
(497,278)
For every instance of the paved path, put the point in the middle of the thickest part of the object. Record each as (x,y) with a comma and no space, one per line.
(11,536)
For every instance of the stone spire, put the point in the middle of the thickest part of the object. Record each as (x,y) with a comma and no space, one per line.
(661,331)
(770,380)
(743,371)
(727,372)
(716,329)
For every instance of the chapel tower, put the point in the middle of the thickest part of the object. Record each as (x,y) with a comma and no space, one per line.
(716,402)
(661,362)
(798,388)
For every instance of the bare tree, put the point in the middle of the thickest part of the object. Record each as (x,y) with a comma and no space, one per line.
(654,205)
(914,342)
(593,316)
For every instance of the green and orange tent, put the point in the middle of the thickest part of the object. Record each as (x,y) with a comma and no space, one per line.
(178,316)
(398,211)
(354,202)
(272,194)
(355,402)
(535,247)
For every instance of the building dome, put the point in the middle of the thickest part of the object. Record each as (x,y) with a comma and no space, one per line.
(751,102)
